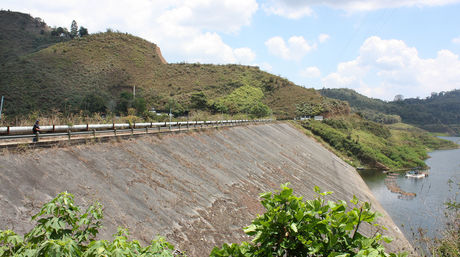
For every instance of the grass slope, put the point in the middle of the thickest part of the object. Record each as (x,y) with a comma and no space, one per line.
(60,77)
(366,143)
(21,34)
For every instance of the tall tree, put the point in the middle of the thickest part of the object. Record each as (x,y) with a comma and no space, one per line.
(83,31)
(73,29)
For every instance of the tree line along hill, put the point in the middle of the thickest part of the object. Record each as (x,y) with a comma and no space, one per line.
(44,71)
(439,112)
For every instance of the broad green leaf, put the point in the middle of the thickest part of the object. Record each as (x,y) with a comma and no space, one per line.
(294,227)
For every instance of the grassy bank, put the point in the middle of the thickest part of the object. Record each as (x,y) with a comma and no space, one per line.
(368,144)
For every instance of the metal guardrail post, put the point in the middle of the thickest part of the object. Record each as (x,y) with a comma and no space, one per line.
(92,129)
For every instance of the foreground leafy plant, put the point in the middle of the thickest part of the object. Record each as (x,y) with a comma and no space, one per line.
(62,230)
(293,227)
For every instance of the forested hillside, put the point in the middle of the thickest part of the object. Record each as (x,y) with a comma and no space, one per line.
(98,73)
(21,34)
(369,144)
(439,113)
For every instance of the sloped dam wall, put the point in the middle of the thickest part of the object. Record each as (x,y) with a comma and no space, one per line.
(198,189)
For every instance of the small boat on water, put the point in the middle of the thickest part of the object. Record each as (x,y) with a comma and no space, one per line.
(416,174)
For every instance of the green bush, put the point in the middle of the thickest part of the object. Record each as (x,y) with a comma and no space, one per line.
(245,99)
(309,109)
(63,230)
(294,227)
(259,110)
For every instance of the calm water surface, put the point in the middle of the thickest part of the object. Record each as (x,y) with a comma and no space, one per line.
(426,209)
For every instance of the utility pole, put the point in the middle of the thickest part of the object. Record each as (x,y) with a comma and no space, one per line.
(134,92)
(170,116)
(1,108)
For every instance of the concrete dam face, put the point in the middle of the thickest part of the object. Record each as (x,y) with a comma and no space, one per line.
(197,189)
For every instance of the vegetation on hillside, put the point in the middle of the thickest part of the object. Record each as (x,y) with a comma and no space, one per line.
(370,144)
(98,73)
(21,34)
(294,227)
(439,112)
(289,227)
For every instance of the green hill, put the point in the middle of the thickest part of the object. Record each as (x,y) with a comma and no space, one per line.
(373,145)
(438,113)
(98,73)
(21,34)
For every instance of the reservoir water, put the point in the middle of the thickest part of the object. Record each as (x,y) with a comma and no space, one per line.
(426,209)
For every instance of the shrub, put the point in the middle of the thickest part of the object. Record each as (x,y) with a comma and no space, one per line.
(293,227)
(63,230)
(245,99)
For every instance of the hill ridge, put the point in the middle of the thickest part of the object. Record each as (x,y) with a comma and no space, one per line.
(105,67)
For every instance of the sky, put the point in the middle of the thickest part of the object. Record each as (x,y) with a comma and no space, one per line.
(380,48)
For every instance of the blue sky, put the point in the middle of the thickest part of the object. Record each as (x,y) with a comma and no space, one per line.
(380,48)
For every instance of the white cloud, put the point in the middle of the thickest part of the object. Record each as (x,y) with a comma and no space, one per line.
(295,49)
(323,38)
(244,55)
(386,68)
(266,67)
(182,28)
(311,72)
(295,9)
(288,9)
(208,47)
(223,15)
(456,40)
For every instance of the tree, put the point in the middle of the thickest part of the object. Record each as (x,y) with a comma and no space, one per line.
(60,32)
(94,103)
(398,98)
(176,108)
(293,227)
(309,109)
(63,230)
(125,101)
(199,101)
(73,29)
(140,105)
(82,31)
(259,110)
(245,99)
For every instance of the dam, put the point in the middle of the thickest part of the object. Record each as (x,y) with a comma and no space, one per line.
(198,189)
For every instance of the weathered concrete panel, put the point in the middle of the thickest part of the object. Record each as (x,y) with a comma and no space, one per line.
(197,189)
